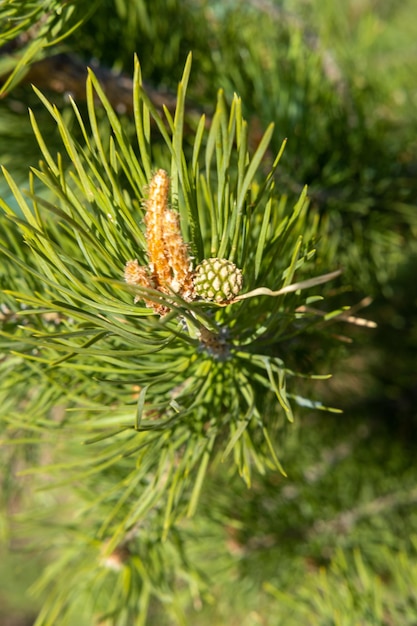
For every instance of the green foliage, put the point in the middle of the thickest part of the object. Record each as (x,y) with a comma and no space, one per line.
(125,435)
(328,89)
(348,593)
(162,32)
(154,398)
(40,25)
(318,75)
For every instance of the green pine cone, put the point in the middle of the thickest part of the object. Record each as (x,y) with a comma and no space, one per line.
(217,280)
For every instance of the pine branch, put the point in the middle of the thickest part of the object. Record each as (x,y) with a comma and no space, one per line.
(171,369)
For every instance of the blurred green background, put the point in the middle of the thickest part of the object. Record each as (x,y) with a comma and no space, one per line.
(335,542)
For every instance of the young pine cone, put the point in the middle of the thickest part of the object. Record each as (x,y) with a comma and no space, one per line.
(217,280)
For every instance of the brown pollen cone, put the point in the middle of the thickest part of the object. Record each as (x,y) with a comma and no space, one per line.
(136,274)
(156,205)
(177,251)
(170,268)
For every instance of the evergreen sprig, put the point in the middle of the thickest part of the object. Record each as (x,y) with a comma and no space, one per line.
(156,397)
